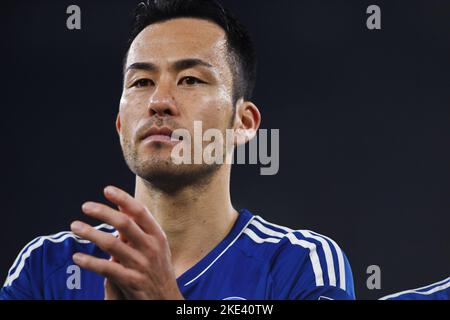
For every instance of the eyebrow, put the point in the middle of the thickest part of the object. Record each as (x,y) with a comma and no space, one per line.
(176,66)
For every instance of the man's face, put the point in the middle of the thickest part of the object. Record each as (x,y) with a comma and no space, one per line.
(177,72)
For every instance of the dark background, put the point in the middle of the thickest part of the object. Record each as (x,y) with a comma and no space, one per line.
(363,117)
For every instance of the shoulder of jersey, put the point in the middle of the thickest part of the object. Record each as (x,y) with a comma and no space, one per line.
(280,244)
(54,250)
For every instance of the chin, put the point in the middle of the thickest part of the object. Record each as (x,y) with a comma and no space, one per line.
(169,177)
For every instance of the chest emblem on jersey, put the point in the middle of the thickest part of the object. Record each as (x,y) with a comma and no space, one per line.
(234,298)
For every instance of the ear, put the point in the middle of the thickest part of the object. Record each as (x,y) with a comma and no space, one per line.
(118,124)
(248,120)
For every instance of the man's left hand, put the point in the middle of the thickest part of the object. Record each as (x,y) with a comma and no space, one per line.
(141,266)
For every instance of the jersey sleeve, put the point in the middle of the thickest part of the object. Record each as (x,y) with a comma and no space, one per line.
(310,266)
(24,279)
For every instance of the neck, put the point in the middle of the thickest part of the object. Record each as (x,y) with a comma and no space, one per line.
(195,219)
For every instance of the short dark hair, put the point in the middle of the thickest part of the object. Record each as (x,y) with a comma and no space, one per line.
(242,53)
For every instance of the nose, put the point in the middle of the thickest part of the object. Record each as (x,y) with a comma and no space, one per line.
(162,103)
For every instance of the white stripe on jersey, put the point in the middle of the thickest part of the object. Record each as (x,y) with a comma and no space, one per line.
(341,263)
(318,237)
(19,256)
(312,255)
(438,286)
(258,239)
(36,243)
(328,255)
(317,269)
(54,236)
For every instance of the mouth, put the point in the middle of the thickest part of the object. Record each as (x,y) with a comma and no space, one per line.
(155,134)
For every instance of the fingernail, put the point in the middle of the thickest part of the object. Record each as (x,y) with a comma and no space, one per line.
(110,191)
(76,226)
(88,206)
(77,258)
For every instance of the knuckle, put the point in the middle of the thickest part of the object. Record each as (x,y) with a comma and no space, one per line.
(134,281)
(112,244)
(163,237)
(142,264)
(142,210)
(151,246)
(123,223)
(159,241)
(101,269)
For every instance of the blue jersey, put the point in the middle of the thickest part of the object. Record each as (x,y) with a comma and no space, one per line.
(257,260)
(436,291)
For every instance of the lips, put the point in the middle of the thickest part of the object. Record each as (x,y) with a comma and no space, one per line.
(154,131)
(158,134)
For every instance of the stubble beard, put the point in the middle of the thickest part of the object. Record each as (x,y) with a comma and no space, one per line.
(164,175)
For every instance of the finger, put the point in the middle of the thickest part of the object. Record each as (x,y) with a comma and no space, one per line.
(108,243)
(124,224)
(114,271)
(134,208)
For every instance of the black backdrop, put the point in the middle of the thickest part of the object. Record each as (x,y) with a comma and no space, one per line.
(363,117)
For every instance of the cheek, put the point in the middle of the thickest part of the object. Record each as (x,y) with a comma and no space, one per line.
(133,102)
(131,111)
(214,110)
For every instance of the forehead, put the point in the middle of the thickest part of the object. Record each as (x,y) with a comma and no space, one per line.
(177,39)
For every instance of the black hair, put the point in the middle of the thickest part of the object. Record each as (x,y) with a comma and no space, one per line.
(242,53)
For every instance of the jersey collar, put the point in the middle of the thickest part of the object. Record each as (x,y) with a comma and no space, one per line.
(201,267)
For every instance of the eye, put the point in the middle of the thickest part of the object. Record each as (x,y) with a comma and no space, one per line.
(141,83)
(190,81)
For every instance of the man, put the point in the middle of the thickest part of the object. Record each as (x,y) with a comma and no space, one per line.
(179,237)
